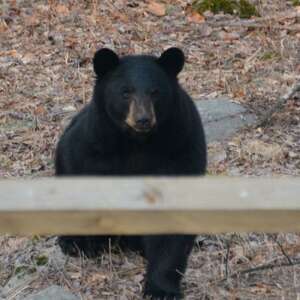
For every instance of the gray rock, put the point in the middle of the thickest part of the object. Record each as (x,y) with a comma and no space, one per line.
(222,118)
(15,283)
(51,293)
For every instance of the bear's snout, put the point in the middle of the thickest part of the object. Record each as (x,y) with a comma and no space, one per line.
(141,116)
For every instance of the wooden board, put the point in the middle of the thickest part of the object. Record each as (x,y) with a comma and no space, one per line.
(149,205)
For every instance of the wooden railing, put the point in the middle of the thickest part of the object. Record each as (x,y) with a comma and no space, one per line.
(149,205)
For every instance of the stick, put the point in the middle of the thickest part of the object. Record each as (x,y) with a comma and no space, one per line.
(281,101)
(258,22)
(275,238)
(260,268)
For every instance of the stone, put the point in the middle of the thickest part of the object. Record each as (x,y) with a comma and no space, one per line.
(15,283)
(222,118)
(51,293)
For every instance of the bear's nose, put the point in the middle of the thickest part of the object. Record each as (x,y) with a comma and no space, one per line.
(143,122)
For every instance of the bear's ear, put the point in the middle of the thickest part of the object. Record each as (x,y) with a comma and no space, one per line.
(105,60)
(172,61)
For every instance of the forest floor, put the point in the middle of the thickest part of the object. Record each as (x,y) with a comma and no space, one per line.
(46,76)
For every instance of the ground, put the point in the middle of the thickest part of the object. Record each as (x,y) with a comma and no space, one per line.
(46,75)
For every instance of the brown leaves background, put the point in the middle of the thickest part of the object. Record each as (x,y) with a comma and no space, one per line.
(46,76)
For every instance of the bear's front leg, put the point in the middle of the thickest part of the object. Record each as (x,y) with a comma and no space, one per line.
(167,257)
(90,246)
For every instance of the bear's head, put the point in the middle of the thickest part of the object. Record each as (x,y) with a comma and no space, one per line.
(138,91)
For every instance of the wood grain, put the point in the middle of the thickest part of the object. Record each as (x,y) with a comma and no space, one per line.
(149,205)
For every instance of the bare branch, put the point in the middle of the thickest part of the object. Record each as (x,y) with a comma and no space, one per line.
(281,101)
(275,238)
(260,268)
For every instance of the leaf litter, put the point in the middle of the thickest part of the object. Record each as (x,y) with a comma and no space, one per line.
(46,49)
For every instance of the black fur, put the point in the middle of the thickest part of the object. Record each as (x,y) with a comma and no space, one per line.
(98,142)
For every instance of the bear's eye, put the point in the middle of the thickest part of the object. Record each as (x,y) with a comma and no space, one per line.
(126,93)
(154,92)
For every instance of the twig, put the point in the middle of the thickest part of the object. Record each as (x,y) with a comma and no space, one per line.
(260,268)
(251,60)
(228,246)
(258,22)
(275,238)
(18,292)
(110,257)
(281,101)
(290,29)
(12,293)
(284,253)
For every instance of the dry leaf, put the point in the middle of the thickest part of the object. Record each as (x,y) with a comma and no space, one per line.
(228,36)
(217,154)
(74,275)
(32,21)
(71,42)
(42,8)
(238,251)
(96,277)
(3,26)
(27,58)
(39,110)
(261,288)
(257,259)
(119,16)
(157,9)
(239,93)
(138,278)
(205,30)
(293,154)
(69,108)
(62,9)
(291,249)
(196,17)
(259,150)
(12,53)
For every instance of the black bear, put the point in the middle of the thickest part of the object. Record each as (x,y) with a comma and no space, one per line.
(140,122)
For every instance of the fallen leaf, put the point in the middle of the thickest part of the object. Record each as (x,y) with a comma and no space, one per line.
(239,93)
(196,17)
(12,53)
(228,36)
(238,251)
(74,275)
(119,16)
(157,9)
(217,154)
(291,249)
(259,150)
(62,9)
(138,278)
(205,30)
(257,259)
(261,288)
(3,26)
(293,154)
(96,277)
(42,8)
(39,110)
(27,58)
(32,21)
(69,108)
